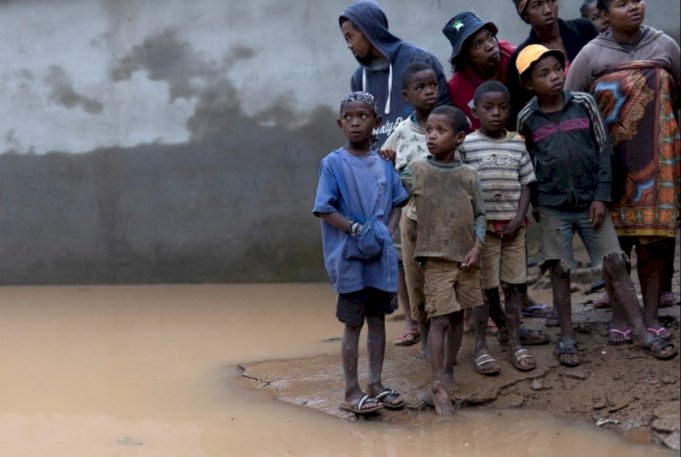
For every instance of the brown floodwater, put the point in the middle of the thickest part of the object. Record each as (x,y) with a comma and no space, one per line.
(108,371)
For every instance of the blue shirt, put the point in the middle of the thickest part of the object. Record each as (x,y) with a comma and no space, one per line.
(373,189)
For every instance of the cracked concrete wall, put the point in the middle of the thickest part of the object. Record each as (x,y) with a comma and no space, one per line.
(175,141)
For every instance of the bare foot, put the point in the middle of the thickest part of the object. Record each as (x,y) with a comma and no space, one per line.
(442,400)
(424,354)
(448,383)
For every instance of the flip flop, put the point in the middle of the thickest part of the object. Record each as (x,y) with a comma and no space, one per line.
(387,398)
(408,338)
(656,347)
(361,407)
(660,332)
(486,359)
(538,310)
(522,355)
(567,346)
(618,337)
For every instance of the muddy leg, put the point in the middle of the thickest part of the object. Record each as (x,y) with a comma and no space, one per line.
(622,294)
(410,325)
(650,274)
(453,339)
(562,302)
(376,348)
(496,312)
(439,326)
(485,364)
(349,356)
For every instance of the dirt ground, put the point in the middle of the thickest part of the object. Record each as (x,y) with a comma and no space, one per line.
(618,388)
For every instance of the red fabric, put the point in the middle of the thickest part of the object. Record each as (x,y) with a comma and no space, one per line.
(463,83)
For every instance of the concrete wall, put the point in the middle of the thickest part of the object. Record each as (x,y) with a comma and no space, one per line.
(179,141)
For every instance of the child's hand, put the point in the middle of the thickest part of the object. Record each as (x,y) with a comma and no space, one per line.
(388,154)
(472,259)
(597,212)
(510,230)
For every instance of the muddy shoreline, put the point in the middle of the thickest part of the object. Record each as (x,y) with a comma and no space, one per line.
(617,388)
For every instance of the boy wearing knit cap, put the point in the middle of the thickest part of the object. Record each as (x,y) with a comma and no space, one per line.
(571,153)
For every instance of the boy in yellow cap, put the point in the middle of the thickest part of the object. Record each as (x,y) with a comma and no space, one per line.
(571,154)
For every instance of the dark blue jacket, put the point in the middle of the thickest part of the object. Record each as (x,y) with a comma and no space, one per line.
(368,17)
(570,151)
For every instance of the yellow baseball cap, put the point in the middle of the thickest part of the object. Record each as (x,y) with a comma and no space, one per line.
(532,53)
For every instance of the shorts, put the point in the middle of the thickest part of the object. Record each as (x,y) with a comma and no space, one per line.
(413,274)
(504,259)
(354,307)
(558,228)
(448,288)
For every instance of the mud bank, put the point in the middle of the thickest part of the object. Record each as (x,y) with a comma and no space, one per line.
(620,389)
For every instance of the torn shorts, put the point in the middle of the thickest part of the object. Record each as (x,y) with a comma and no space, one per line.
(558,228)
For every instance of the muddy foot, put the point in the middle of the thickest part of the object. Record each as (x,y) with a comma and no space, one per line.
(442,400)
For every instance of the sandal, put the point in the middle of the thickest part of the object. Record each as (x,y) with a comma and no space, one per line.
(660,332)
(567,347)
(482,361)
(656,346)
(408,338)
(618,337)
(522,360)
(537,310)
(365,405)
(390,399)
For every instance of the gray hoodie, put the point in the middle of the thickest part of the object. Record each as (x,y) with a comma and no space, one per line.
(603,52)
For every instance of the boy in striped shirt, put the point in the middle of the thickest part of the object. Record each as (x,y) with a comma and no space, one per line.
(505,171)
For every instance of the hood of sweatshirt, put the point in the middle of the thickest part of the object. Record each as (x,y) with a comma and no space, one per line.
(648,34)
(368,17)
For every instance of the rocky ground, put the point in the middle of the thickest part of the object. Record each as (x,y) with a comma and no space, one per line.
(619,388)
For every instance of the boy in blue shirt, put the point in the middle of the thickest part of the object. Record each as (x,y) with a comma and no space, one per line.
(571,153)
(358,199)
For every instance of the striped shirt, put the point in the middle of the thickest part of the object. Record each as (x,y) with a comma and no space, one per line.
(504,167)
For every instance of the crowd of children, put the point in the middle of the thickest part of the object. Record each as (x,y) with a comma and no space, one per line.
(580,126)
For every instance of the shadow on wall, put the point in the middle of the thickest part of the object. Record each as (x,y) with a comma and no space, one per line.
(232,204)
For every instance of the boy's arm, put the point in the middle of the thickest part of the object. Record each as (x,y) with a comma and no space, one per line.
(389,149)
(338,221)
(479,215)
(394,219)
(511,228)
(472,258)
(603,188)
(532,187)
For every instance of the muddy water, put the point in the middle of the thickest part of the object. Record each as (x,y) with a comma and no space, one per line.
(112,371)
